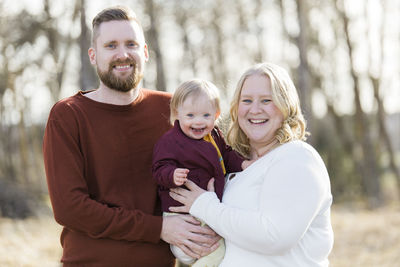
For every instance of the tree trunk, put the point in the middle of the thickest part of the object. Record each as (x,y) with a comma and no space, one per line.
(189,53)
(87,76)
(376,84)
(370,173)
(154,45)
(303,72)
(219,61)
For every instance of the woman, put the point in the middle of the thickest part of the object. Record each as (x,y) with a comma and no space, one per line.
(277,211)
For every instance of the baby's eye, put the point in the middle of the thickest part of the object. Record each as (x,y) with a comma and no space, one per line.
(207,115)
(246,101)
(190,115)
(265,101)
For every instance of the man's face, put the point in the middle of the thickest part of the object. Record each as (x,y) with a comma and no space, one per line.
(119,54)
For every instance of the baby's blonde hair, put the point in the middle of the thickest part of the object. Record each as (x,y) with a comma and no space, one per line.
(195,87)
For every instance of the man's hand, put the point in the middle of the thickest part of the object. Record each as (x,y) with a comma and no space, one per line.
(185,232)
(180,176)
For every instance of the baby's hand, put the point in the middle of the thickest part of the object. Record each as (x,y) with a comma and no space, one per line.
(180,176)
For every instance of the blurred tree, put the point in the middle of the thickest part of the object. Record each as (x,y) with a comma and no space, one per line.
(33,47)
(182,16)
(375,77)
(301,40)
(152,36)
(304,84)
(215,40)
(362,126)
(88,77)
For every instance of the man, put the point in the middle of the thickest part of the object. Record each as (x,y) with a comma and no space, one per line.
(97,152)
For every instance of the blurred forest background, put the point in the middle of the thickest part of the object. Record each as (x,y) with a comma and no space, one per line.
(344,57)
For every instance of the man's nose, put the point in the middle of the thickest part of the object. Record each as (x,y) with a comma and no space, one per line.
(122,53)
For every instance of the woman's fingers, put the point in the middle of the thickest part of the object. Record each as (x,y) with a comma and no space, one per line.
(179,209)
(182,199)
(210,185)
(191,185)
(177,195)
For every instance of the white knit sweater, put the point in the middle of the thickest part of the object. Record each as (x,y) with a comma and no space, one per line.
(276,212)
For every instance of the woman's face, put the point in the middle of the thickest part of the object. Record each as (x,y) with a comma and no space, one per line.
(258,117)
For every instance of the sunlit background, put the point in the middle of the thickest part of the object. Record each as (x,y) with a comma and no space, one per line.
(344,57)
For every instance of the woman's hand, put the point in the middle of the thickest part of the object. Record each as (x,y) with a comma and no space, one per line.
(187,197)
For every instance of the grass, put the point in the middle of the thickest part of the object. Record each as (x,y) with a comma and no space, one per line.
(366,238)
(362,238)
(30,242)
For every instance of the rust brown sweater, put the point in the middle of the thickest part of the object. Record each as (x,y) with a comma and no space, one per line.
(98,165)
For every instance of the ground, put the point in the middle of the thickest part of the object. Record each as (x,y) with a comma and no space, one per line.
(362,238)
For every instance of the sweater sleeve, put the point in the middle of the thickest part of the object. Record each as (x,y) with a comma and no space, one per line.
(72,204)
(290,198)
(164,164)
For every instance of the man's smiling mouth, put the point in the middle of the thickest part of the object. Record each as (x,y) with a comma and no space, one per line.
(122,67)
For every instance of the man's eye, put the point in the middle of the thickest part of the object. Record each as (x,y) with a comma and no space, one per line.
(110,45)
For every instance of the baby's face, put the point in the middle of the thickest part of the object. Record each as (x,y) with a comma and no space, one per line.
(197,116)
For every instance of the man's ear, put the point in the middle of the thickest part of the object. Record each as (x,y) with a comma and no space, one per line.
(92,55)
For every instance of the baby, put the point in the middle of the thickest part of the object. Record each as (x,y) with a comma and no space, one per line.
(194,149)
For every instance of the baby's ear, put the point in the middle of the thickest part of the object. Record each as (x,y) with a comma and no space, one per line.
(217,114)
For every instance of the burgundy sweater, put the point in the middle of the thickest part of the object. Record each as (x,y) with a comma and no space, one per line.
(98,164)
(176,150)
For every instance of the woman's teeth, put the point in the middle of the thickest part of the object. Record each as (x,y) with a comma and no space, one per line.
(257,121)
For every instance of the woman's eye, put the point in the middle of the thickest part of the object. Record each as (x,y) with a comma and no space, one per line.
(266,101)
(132,44)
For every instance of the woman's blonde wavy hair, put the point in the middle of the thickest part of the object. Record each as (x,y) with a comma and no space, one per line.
(285,98)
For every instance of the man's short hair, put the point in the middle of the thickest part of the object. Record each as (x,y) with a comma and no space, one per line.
(111,14)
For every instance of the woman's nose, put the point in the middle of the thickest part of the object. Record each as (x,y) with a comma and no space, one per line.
(255,107)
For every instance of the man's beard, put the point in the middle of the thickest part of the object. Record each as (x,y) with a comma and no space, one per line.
(117,83)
